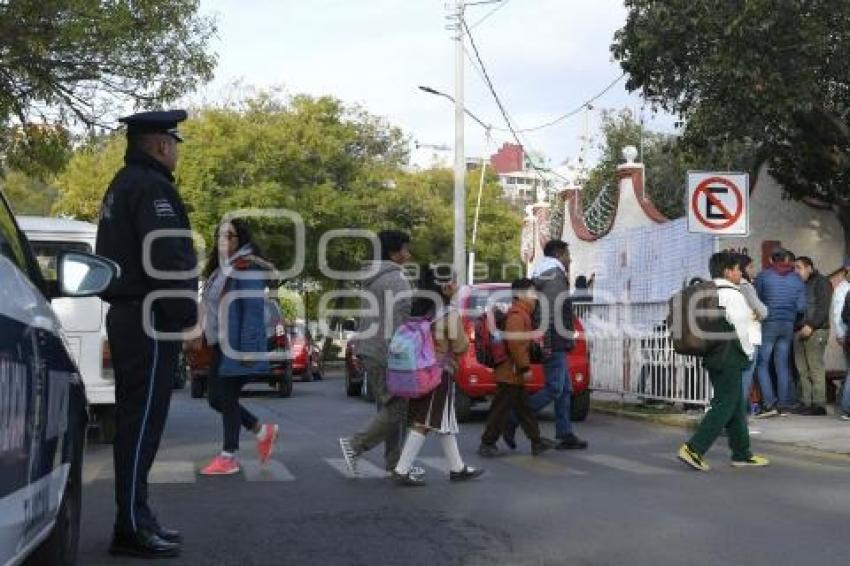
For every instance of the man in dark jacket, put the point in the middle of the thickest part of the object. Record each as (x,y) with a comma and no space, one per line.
(812,337)
(551,278)
(784,294)
(145,229)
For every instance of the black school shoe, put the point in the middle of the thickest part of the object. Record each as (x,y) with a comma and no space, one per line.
(571,442)
(407,480)
(467,473)
(143,544)
(542,446)
(488,450)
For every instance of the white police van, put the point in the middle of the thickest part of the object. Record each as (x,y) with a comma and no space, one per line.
(83,319)
(43,413)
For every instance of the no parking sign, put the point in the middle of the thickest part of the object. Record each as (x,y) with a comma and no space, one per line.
(718,203)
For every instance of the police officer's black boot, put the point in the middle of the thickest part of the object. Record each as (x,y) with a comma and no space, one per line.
(143,544)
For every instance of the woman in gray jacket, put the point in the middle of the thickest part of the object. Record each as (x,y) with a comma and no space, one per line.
(759,313)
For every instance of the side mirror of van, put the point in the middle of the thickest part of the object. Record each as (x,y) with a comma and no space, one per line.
(84,275)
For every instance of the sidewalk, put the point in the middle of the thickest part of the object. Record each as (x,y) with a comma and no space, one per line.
(827,434)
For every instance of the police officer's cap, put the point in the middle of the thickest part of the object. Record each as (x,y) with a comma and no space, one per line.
(155,122)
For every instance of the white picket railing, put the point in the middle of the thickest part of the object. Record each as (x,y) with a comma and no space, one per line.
(631,353)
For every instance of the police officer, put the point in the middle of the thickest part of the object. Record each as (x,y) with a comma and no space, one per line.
(141,201)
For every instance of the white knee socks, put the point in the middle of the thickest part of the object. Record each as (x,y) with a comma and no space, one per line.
(411,449)
(449,444)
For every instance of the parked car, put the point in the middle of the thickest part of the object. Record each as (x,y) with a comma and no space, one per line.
(473,381)
(280,377)
(306,354)
(43,409)
(82,319)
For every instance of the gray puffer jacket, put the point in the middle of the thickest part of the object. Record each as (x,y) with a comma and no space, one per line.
(385,286)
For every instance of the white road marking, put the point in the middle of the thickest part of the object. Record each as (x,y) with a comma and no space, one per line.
(179,471)
(272,471)
(623,464)
(367,469)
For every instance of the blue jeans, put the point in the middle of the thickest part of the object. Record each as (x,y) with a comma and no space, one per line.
(776,343)
(558,389)
(747,377)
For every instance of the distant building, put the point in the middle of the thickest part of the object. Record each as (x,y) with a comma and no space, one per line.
(510,157)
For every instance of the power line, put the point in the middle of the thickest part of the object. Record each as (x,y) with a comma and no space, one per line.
(587,104)
(508,122)
(490,13)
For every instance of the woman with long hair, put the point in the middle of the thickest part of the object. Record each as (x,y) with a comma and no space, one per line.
(235,265)
(759,309)
(435,412)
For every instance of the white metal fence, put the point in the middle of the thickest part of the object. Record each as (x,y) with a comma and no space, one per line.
(631,353)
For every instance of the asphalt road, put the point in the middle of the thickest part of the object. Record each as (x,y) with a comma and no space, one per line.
(624,501)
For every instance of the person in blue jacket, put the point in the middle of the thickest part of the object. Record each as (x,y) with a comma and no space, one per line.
(235,329)
(784,293)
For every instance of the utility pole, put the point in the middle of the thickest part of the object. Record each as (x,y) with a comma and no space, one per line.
(459,258)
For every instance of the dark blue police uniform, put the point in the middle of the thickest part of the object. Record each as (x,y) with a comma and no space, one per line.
(142,200)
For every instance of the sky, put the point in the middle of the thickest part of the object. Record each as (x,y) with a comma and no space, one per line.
(545,58)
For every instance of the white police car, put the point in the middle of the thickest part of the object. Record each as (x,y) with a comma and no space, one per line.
(43,411)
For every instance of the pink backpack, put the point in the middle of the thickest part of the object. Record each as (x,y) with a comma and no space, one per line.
(412,366)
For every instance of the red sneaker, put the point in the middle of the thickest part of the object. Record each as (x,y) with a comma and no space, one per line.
(221,466)
(269,434)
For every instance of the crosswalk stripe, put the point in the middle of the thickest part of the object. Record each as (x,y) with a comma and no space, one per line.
(542,466)
(172,472)
(623,464)
(366,468)
(271,471)
(96,471)
(438,464)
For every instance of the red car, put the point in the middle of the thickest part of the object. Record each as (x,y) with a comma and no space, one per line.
(474,382)
(306,354)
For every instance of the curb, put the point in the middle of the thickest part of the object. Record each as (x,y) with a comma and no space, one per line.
(671,420)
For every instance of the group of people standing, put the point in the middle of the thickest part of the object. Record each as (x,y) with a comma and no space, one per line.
(789,305)
(794,309)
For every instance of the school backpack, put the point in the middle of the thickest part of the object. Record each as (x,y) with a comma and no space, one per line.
(694,314)
(412,366)
(490,348)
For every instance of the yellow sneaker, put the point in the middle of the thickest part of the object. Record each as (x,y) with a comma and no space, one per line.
(751,462)
(692,459)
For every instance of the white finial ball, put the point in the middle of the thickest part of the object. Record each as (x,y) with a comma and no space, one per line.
(630,153)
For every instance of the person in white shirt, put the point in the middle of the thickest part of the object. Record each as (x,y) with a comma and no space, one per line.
(725,363)
(839,326)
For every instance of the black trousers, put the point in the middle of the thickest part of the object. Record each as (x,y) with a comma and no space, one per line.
(144,378)
(224,398)
(510,399)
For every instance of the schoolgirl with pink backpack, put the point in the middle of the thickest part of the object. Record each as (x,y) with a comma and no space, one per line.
(423,358)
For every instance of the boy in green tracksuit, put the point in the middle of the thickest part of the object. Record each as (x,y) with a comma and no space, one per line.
(725,364)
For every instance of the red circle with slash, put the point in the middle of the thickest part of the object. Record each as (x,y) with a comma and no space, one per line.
(730,217)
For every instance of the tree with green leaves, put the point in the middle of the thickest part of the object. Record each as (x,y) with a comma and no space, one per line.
(71,63)
(337,166)
(771,75)
(665,158)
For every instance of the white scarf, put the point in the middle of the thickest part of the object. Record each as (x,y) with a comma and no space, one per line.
(545,264)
